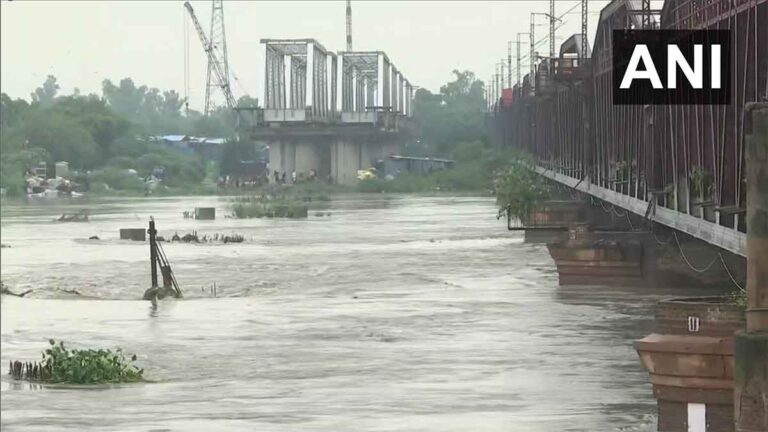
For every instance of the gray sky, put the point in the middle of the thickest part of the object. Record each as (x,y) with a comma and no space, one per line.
(82,43)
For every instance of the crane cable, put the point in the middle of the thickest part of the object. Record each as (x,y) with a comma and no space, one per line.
(185,25)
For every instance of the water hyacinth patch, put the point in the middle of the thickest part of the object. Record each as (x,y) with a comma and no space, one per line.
(72,366)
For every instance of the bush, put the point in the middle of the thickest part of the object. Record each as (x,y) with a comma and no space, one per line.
(119,179)
(258,207)
(520,190)
(61,365)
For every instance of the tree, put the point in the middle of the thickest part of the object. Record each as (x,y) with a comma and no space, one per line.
(171,104)
(63,138)
(453,116)
(247,102)
(11,111)
(126,98)
(232,153)
(45,95)
(92,113)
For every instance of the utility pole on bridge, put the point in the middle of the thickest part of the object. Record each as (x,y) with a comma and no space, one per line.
(552,30)
(519,82)
(349,25)
(584,16)
(501,65)
(531,56)
(509,64)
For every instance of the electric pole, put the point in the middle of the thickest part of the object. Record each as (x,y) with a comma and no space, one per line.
(552,30)
(509,64)
(349,25)
(501,64)
(519,81)
(584,16)
(532,55)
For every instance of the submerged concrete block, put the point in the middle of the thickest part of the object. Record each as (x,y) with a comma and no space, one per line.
(205,213)
(136,234)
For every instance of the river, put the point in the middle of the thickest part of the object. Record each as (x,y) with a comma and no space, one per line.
(394,313)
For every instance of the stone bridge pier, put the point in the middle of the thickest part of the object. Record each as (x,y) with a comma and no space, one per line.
(334,155)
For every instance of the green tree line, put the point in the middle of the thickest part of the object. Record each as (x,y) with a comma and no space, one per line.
(93,131)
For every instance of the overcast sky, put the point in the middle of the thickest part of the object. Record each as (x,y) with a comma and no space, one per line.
(82,43)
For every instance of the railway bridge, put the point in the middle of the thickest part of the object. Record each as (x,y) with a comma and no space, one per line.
(685,164)
(697,172)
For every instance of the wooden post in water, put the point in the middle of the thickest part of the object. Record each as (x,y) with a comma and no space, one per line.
(153,252)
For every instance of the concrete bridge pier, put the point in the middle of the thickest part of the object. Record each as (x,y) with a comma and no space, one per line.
(334,158)
(590,246)
(347,157)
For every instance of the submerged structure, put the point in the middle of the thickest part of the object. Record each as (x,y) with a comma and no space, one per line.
(157,259)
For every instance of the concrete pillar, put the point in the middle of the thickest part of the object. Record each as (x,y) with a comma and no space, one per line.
(275,158)
(282,158)
(307,157)
(751,346)
(365,155)
(289,162)
(345,161)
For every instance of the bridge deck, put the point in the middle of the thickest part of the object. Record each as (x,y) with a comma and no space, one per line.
(718,235)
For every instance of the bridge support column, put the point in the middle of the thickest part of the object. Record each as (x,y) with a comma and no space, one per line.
(583,259)
(550,222)
(308,158)
(345,161)
(751,346)
(282,158)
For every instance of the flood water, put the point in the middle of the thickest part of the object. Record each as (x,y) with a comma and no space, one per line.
(393,314)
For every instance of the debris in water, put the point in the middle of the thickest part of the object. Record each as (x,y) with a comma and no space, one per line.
(81,216)
(5,290)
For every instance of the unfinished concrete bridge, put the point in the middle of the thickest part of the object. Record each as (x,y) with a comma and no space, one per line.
(330,113)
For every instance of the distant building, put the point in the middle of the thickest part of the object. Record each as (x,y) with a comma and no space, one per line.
(208,148)
(395,164)
(62,169)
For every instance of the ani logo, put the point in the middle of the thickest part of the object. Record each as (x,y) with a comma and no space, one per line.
(671,67)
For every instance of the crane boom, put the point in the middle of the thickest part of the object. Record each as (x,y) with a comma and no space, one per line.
(220,75)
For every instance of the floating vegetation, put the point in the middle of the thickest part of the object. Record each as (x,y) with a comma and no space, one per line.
(62,365)
(5,290)
(264,207)
(193,237)
(81,216)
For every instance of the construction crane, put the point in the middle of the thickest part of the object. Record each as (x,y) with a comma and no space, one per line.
(221,75)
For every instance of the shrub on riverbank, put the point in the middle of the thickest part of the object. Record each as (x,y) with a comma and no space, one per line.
(62,365)
(519,190)
(261,207)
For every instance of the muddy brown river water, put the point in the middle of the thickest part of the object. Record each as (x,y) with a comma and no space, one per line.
(395,313)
